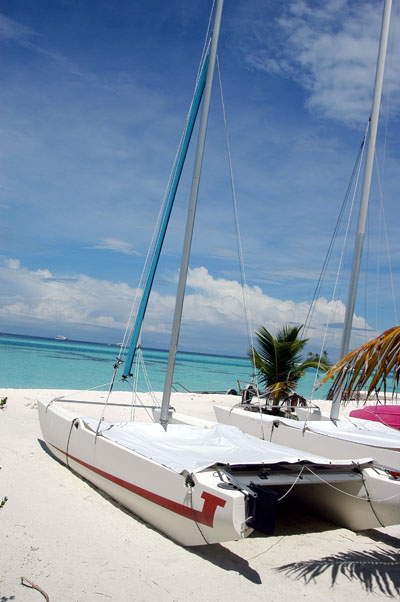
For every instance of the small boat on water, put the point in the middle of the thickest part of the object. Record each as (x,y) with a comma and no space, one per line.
(60,337)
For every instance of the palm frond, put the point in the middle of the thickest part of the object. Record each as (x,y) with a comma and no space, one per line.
(279,360)
(368,367)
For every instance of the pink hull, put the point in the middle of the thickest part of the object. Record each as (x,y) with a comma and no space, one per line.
(386,414)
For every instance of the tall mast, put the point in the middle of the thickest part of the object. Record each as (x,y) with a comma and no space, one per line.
(170,197)
(362,217)
(190,219)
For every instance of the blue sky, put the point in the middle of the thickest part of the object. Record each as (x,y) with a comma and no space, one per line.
(94,99)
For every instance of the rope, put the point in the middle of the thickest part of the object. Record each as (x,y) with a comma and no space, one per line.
(189,484)
(69,437)
(147,380)
(135,387)
(75,393)
(386,499)
(262,422)
(136,397)
(370,502)
(293,484)
(116,366)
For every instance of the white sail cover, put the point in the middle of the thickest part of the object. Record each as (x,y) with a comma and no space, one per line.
(357,430)
(188,448)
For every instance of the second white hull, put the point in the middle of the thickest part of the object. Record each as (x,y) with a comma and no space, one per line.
(287,432)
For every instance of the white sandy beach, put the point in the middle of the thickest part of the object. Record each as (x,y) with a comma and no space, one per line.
(77,545)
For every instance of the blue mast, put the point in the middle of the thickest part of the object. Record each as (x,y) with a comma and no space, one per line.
(170,197)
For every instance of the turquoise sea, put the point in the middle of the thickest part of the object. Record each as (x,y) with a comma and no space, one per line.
(28,362)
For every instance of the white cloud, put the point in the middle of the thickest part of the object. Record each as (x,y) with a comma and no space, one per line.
(213,306)
(114,244)
(11,30)
(13,264)
(330,50)
(37,296)
(26,37)
(219,301)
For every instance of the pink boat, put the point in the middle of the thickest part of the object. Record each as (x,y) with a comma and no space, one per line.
(386,414)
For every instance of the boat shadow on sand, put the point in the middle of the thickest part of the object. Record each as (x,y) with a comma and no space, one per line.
(286,525)
(378,570)
(216,554)
(290,522)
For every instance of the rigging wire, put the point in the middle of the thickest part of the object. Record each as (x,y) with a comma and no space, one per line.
(363,276)
(389,79)
(354,177)
(151,251)
(206,39)
(382,217)
(156,231)
(237,228)
(353,183)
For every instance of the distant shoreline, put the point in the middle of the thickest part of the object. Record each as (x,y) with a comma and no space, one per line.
(68,340)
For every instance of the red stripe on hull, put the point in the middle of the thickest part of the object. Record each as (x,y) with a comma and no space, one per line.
(204,517)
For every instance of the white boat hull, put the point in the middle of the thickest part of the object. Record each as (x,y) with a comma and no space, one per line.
(156,494)
(205,512)
(299,434)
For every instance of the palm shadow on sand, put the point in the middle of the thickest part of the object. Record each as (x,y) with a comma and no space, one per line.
(377,570)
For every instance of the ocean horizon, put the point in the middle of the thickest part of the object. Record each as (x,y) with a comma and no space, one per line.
(37,362)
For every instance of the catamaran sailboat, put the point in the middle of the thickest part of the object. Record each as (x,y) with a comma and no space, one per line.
(201,485)
(206,485)
(311,431)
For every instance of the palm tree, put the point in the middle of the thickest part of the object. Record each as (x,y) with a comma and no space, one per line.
(368,366)
(279,360)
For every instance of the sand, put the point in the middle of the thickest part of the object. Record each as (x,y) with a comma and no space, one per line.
(77,545)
